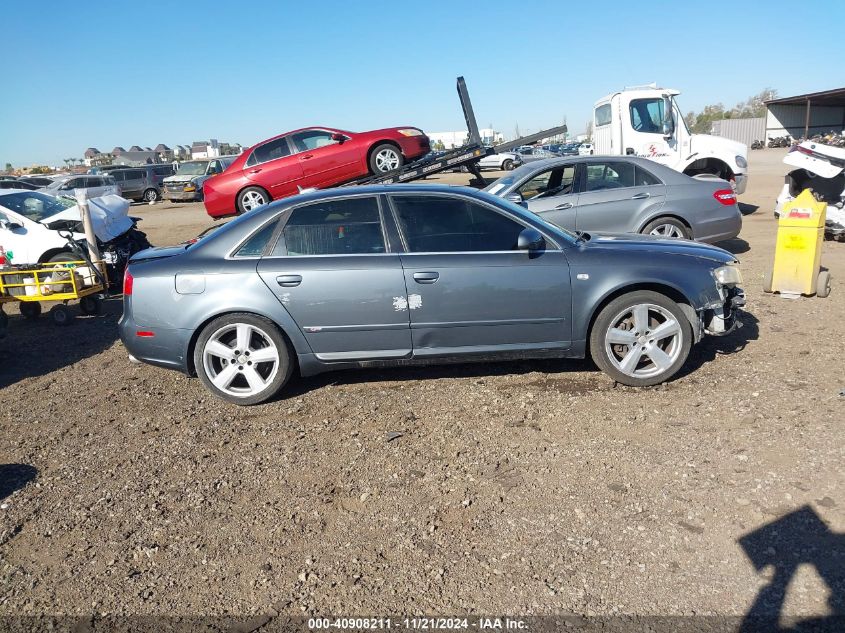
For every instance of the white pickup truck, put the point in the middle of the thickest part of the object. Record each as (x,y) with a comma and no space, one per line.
(646,121)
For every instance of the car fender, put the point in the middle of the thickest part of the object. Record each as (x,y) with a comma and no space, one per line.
(610,274)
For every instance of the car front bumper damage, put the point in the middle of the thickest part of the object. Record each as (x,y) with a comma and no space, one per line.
(720,319)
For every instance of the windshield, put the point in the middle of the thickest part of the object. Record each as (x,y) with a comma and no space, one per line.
(35,206)
(192,168)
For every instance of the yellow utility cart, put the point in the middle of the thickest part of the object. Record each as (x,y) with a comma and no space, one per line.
(799,249)
(60,282)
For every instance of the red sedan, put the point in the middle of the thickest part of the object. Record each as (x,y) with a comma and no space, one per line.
(311,157)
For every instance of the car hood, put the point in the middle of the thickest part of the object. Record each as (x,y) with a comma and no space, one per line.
(181,179)
(109,217)
(655,243)
(707,144)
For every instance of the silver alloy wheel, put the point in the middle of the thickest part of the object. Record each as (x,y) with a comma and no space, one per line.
(150,195)
(251,200)
(387,160)
(240,360)
(644,341)
(666,230)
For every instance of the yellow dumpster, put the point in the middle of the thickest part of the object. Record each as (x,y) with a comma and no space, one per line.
(799,249)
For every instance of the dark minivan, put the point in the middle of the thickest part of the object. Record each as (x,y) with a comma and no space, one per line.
(142,183)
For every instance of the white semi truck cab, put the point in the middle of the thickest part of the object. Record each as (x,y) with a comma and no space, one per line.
(646,121)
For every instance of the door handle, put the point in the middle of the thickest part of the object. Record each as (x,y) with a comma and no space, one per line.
(640,196)
(565,205)
(289,281)
(426,277)
(255,171)
(307,156)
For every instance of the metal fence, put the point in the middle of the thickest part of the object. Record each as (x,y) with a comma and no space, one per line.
(742,130)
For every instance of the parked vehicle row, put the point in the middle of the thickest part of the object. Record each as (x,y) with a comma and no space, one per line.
(403,274)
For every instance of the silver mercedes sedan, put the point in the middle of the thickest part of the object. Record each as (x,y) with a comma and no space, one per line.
(623,194)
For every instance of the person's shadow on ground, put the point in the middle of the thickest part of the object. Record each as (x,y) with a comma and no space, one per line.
(798,538)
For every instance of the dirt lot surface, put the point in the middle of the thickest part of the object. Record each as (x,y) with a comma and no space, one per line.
(513,488)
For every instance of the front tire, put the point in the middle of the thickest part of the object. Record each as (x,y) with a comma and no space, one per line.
(641,339)
(252,198)
(151,195)
(384,158)
(507,164)
(242,358)
(667,227)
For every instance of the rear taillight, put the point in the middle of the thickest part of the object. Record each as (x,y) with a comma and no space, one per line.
(127,283)
(725,196)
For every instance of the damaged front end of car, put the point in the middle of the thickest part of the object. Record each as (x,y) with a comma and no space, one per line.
(721,317)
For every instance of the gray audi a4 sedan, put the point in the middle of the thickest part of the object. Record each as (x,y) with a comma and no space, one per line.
(404,274)
(624,194)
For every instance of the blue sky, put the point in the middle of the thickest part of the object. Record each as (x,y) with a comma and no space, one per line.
(145,72)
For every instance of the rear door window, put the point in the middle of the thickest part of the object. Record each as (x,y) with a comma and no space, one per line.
(349,226)
(645,178)
(439,224)
(255,245)
(609,175)
(277,148)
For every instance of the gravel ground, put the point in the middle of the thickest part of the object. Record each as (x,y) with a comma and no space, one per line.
(513,488)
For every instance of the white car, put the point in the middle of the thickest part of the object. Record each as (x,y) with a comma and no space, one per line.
(94,185)
(820,168)
(504,161)
(26,217)
(586,149)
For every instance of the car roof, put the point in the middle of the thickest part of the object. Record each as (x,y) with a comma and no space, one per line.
(668,175)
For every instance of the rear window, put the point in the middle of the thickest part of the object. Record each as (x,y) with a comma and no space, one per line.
(603,115)
(256,244)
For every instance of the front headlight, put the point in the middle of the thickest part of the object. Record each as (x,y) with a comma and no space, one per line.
(741,162)
(410,131)
(728,275)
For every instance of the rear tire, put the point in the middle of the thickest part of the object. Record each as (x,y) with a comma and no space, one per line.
(252,198)
(64,256)
(641,339)
(667,227)
(61,315)
(228,371)
(30,309)
(91,304)
(384,158)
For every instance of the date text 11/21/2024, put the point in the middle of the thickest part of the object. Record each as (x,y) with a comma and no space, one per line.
(421,623)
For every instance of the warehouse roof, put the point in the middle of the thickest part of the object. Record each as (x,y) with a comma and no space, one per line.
(825,98)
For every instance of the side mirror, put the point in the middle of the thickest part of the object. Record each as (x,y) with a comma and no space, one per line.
(10,226)
(668,119)
(337,136)
(530,240)
(516,198)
